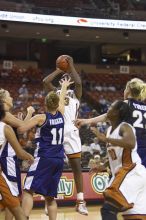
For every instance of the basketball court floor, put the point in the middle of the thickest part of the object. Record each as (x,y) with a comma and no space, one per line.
(66,213)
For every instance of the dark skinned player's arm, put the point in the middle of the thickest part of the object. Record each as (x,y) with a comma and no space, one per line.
(47,81)
(127,140)
(76,78)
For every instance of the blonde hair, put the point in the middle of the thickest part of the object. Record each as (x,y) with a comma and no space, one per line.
(52,101)
(2,94)
(137,88)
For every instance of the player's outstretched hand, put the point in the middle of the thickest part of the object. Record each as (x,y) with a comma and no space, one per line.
(66,82)
(96,169)
(30,109)
(29,157)
(23,155)
(80,122)
(98,134)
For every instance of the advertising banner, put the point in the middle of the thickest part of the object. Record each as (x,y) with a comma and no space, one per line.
(94,185)
(72,21)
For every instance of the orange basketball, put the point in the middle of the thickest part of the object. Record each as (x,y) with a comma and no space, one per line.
(62,63)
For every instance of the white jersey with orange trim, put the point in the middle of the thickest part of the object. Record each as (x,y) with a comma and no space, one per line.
(118,156)
(72,142)
(9,164)
(71,111)
(127,188)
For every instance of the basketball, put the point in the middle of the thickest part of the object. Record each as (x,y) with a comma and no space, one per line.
(62,63)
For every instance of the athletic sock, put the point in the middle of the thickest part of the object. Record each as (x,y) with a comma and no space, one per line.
(80,196)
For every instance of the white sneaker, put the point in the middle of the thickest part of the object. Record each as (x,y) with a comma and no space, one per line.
(81,207)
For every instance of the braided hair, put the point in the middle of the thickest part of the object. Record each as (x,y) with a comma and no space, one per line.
(125,111)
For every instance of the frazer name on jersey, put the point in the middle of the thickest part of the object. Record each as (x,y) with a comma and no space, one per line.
(56,121)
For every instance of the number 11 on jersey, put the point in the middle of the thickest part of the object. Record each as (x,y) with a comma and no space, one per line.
(57,133)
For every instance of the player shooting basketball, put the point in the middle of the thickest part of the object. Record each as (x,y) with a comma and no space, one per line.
(72,142)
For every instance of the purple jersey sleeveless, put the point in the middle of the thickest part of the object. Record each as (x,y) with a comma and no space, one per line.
(138,121)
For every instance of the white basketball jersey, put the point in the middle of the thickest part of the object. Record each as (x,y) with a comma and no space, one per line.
(71,111)
(2,137)
(118,156)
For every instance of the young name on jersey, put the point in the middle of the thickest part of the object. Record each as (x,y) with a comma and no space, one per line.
(140,107)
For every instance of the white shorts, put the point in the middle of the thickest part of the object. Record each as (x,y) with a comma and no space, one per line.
(72,143)
(134,190)
(128,190)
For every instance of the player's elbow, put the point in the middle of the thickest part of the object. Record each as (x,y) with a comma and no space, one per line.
(46,85)
(131,144)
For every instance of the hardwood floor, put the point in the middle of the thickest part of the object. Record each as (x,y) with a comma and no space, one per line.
(66,213)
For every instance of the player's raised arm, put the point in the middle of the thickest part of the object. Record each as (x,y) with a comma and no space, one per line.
(127,137)
(90,121)
(16,122)
(30,111)
(47,81)
(65,83)
(34,121)
(75,77)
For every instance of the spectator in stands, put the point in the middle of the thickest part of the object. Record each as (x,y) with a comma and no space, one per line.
(39,94)
(95,147)
(112,88)
(25,79)
(103,103)
(102,126)
(94,113)
(98,87)
(86,148)
(4,74)
(85,109)
(104,87)
(23,92)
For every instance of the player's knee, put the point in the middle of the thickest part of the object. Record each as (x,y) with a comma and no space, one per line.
(76,164)
(18,213)
(49,200)
(109,212)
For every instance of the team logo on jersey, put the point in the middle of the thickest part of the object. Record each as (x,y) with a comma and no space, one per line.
(100,182)
(65,187)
